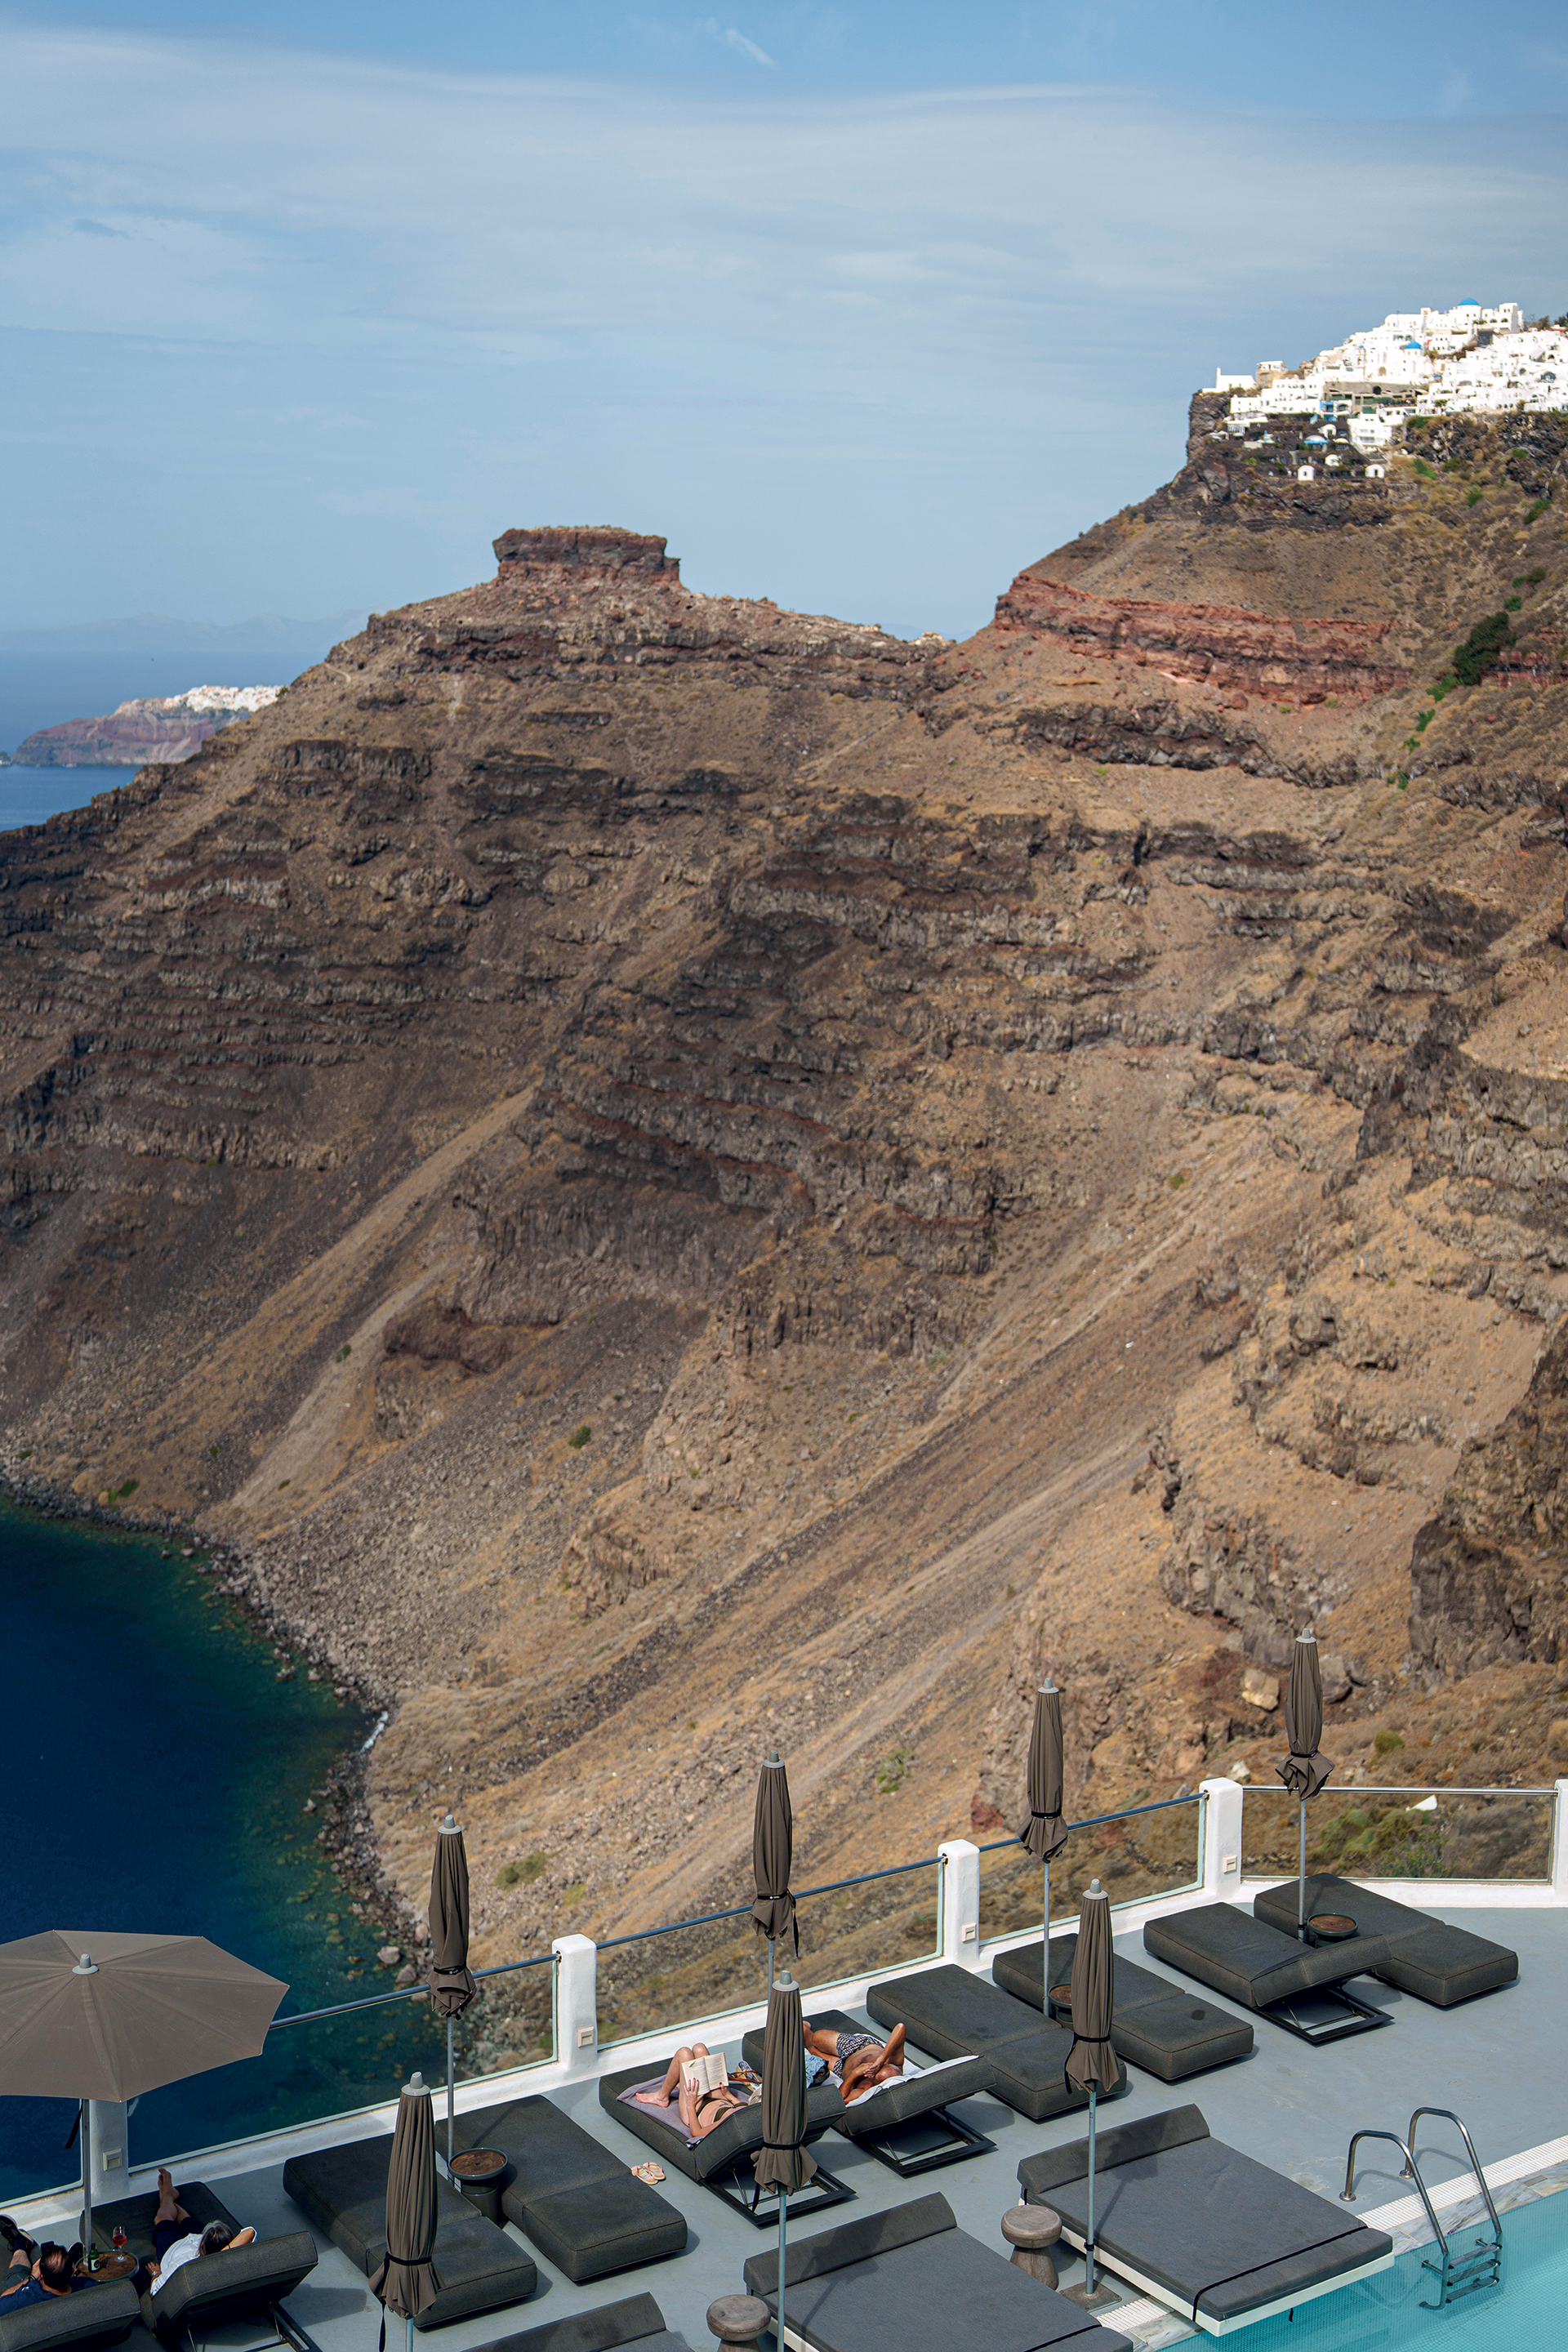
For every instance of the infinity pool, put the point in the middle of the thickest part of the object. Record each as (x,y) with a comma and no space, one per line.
(1530,2310)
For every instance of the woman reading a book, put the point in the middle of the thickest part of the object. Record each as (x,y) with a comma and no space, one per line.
(699,2082)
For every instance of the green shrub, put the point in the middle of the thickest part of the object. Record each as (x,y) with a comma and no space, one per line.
(344,1352)
(1539,508)
(893,1772)
(129,1488)
(1512,604)
(1480,652)
(1386,1742)
(523,1872)
(1427,472)
(1475,497)
(580,1435)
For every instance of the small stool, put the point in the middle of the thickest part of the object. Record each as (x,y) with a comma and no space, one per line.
(739,2319)
(1029,2230)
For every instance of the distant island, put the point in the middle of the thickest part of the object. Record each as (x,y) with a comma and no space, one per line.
(158,727)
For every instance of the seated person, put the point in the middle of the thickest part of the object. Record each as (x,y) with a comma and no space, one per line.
(37,2273)
(176,2241)
(859,2060)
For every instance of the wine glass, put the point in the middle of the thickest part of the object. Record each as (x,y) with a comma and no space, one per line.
(116,2237)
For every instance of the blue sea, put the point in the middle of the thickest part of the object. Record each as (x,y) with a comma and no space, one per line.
(27,795)
(156,1773)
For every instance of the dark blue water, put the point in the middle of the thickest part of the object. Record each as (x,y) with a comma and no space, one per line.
(155,1774)
(27,795)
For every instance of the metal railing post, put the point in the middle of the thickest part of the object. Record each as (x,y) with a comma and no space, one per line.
(1560,1843)
(960,1938)
(1221,1873)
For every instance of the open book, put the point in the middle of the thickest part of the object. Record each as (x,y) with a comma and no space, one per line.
(708,2072)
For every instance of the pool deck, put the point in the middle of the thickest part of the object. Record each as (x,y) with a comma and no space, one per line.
(1496,2060)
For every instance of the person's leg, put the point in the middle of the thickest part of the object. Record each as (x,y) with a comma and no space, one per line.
(169,2206)
(667,2089)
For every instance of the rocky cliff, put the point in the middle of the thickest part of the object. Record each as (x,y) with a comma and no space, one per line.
(153,726)
(671,1174)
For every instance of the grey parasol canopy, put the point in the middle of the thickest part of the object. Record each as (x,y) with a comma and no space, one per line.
(784,2161)
(772,1854)
(1092,2064)
(1304,1771)
(452,1986)
(110,2016)
(1044,1833)
(407,2281)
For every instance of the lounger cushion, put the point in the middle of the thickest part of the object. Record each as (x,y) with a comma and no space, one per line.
(243,2284)
(89,2321)
(1436,1962)
(569,2193)
(738,2135)
(342,2191)
(912,2280)
(953,2014)
(1155,2024)
(1211,2227)
(895,2102)
(637,2320)
(1251,1962)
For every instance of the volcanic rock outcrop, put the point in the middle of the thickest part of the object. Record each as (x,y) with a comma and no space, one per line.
(672,1175)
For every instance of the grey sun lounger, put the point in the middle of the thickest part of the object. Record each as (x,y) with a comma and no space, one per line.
(721,2161)
(1210,2232)
(953,2014)
(342,2191)
(243,2284)
(1154,2023)
(1424,1955)
(906,2123)
(910,2280)
(1297,1986)
(637,2321)
(92,2321)
(566,2191)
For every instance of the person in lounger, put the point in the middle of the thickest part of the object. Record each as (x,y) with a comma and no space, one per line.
(176,2239)
(700,2112)
(859,2060)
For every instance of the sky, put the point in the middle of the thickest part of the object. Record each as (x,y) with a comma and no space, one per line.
(303,302)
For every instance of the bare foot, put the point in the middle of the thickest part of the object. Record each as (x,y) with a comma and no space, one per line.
(660,2098)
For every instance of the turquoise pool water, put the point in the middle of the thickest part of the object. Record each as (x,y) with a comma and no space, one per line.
(1529,2312)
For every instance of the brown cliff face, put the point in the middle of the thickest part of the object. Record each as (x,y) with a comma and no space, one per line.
(662,1167)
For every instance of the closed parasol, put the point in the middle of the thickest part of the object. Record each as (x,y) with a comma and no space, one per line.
(1092,2064)
(452,1986)
(1044,1833)
(772,1854)
(1304,1771)
(405,2281)
(784,2161)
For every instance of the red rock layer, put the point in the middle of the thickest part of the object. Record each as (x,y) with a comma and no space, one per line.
(1218,644)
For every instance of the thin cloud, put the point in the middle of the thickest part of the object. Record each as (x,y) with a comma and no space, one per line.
(737,40)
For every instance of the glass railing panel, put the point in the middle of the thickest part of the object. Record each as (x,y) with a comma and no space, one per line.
(1136,1854)
(1454,1834)
(874,1925)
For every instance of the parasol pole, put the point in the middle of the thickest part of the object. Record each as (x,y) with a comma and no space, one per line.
(784,2223)
(1301,1878)
(1088,2240)
(86,1967)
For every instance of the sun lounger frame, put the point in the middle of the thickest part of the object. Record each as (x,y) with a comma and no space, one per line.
(921,2140)
(1170,2301)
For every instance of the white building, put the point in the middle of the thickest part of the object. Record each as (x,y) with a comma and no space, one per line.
(1474,359)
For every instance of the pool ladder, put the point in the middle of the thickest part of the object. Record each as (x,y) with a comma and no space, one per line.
(1457,2273)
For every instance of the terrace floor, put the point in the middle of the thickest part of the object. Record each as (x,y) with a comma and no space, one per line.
(1497,2061)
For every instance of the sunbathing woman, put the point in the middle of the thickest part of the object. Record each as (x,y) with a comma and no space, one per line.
(701,2111)
(861,2060)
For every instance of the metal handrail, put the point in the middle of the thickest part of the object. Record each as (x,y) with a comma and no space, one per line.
(1410,1788)
(1449,2117)
(1098,1820)
(1412,2172)
(743,1910)
(404,1992)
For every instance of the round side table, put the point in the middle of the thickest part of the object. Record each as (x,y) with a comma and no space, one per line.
(1030,2231)
(739,2319)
